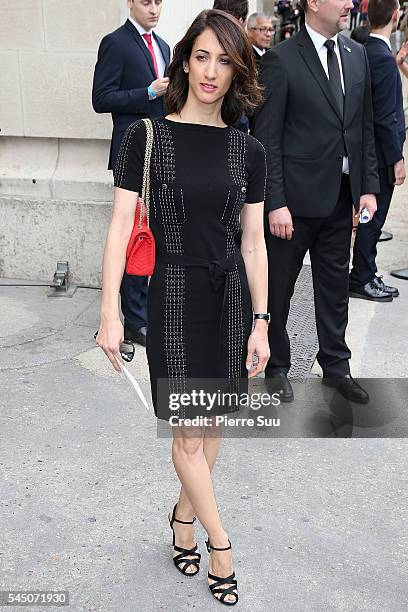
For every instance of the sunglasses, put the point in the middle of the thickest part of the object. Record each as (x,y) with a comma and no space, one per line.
(126,349)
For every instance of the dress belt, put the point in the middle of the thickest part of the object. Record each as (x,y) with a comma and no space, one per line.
(218,270)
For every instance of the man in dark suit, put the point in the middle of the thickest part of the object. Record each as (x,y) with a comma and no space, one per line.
(129,83)
(389,133)
(316,126)
(260,31)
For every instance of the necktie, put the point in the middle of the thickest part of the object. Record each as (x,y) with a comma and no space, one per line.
(148,39)
(334,74)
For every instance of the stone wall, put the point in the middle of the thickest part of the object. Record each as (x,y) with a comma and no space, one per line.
(47,56)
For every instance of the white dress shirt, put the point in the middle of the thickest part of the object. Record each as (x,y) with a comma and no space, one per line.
(318,41)
(258,50)
(161,64)
(384,38)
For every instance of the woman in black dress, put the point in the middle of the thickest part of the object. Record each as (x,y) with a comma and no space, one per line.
(210,280)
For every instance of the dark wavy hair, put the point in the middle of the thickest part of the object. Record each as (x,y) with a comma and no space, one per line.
(244,95)
(238,8)
(381,11)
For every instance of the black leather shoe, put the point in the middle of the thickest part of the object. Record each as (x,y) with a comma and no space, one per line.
(137,337)
(348,387)
(370,291)
(279,383)
(378,281)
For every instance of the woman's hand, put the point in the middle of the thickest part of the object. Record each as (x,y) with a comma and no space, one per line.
(258,345)
(110,335)
(402,54)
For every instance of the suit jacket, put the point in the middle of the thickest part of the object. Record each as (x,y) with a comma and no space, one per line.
(257,57)
(388,111)
(303,132)
(123,72)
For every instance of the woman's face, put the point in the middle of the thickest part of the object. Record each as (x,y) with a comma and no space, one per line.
(210,71)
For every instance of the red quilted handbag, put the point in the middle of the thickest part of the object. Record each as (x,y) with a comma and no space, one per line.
(141,249)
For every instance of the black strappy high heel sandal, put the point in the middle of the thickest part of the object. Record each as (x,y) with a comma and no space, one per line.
(184,552)
(216,587)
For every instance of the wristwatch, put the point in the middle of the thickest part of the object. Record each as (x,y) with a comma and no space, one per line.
(263,315)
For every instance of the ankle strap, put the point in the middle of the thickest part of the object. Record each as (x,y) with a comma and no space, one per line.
(210,547)
(184,522)
(173,518)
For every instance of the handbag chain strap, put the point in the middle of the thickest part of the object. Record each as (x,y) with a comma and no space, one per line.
(146,173)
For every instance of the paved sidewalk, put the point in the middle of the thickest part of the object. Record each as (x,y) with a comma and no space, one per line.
(317,525)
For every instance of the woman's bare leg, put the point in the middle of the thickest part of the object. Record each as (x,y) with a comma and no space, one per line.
(211,446)
(185,511)
(194,473)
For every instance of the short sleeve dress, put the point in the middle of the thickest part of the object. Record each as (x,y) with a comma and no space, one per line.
(199,304)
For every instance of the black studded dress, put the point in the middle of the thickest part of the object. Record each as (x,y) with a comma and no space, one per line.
(199,304)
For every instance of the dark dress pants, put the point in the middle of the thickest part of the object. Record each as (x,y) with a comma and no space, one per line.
(365,246)
(328,240)
(133,294)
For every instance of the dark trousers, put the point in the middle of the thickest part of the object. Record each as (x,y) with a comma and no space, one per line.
(133,294)
(365,246)
(328,241)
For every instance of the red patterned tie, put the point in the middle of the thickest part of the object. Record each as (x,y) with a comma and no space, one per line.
(148,39)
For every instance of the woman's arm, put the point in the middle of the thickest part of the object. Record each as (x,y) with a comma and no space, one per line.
(110,333)
(400,59)
(253,251)
(404,68)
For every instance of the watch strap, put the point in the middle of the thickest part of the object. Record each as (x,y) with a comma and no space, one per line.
(265,316)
